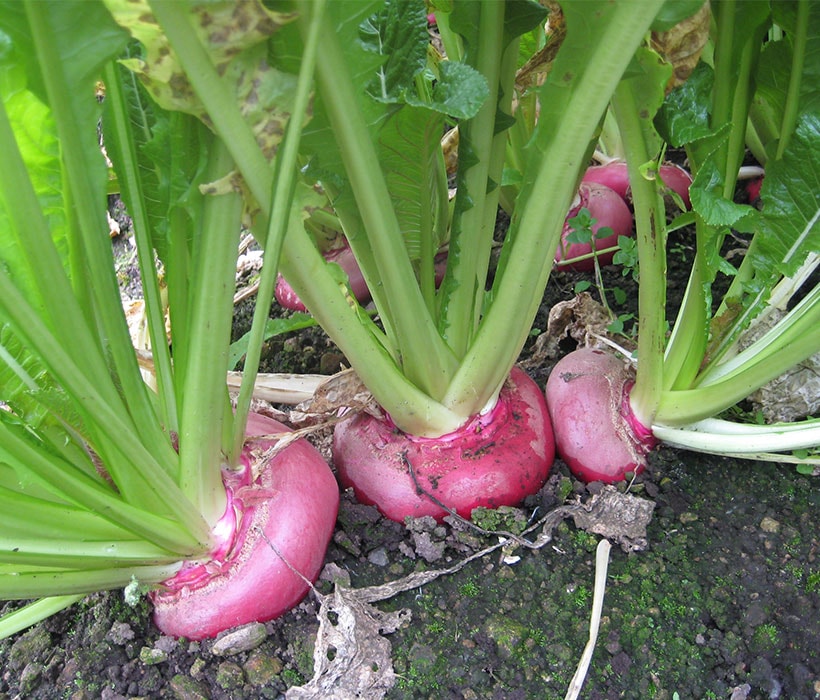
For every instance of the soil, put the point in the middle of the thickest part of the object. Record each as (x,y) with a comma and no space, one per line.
(722,601)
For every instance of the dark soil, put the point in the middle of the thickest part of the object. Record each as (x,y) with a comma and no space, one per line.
(723,602)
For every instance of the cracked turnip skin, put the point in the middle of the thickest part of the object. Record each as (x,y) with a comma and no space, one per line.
(596,433)
(286,516)
(495,459)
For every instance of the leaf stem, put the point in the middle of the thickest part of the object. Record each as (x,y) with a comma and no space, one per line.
(281,201)
(558,153)
(412,409)
(650,224)
(205,395)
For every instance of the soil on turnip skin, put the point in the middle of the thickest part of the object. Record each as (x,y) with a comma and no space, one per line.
(724,602)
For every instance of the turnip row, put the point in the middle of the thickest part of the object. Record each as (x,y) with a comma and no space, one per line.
(766,324)
(198,123)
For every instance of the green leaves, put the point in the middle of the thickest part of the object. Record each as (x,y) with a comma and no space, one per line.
(684,116)
(789,224)
(397,34)
(788,76)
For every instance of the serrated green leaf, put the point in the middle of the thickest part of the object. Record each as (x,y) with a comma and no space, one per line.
(409,151)
(790,217)
(459,91)
(397,34)
(707,197)
(684,116)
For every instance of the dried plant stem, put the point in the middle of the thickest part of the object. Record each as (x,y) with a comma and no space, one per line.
(601,565)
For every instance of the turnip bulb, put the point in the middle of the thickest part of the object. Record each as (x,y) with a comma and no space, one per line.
(753,189)
(269,545)
(678,180)
(613,175)
(616,176)
(496,458)
(596,433)
(598,217)
(343,257)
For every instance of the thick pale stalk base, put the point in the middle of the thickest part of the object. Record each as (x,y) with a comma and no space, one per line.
(596,433)
(495,459)
(278,526)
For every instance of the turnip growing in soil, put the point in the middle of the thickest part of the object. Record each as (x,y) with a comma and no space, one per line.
(435,359)
(717,354)
(105,483)
(592,228)
(353,279)
(343,257)
(584,243)
(616,176)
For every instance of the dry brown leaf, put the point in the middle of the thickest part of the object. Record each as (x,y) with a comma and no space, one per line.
(620,517)
(537,68)
(343,390)
(361,664)
(449,145)
(584,320)
(796,393)
(682,44)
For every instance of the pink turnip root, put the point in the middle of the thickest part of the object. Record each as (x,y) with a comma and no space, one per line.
(276,524)
(596,433)
(615,176)
(753,189)
(343,257)
(495,459)
(608,209)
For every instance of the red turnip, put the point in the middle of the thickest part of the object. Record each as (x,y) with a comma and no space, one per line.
(607,209)
(596,433)
(495,459)
(753,189)
(276,524)
(615,176)
(678,180)
(343,257)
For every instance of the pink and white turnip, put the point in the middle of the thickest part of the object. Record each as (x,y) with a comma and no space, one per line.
(607,209)
(495,459)
(615,176)
(270,543)
(596,433)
